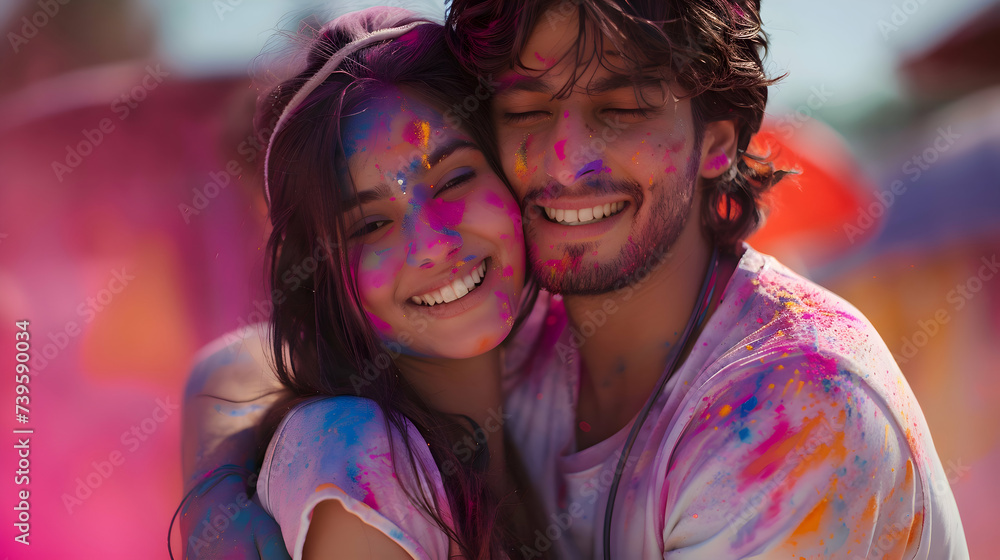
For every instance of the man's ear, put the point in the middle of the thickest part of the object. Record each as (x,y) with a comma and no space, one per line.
(718,149)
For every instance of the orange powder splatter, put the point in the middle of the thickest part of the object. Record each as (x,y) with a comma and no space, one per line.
(811,522)
(521,159)
(869,514)
(725,410)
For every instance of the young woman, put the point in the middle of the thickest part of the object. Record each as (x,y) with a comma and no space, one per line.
(397,267)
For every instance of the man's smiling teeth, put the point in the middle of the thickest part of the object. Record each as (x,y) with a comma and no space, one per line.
(456,290)
(584,215)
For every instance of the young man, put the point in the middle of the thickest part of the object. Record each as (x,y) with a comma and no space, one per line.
(786,430)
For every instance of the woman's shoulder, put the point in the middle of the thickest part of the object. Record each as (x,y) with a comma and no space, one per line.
(342,424)
(343,448)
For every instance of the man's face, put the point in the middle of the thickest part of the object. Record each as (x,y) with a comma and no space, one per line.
(606,176)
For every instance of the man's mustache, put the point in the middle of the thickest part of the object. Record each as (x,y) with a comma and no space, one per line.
(595,188)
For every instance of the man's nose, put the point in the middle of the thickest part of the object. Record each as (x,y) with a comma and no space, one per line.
(576,150)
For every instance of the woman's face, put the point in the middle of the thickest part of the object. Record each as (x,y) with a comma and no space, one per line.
(436,236)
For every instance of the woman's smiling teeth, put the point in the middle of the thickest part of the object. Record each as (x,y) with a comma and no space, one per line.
(584,215)
(457,289)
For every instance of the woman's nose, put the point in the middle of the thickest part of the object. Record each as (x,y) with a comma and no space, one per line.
(429,247)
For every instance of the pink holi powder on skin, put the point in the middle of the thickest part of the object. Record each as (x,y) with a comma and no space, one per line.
(503,302)
(548,62)
(494,199)
(565,114)
(560,148)
(379,324)
(719,161)
(507,272)
(443,215)
(417,133)
(670,169)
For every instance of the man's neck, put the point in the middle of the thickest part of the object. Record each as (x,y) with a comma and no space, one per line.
(624,357)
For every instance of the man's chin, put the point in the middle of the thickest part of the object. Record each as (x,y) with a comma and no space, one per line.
(590,277)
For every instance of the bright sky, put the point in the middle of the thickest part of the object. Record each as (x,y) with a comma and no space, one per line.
(837,45)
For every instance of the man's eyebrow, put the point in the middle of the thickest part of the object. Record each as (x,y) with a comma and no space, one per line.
(526,84)
(619,81)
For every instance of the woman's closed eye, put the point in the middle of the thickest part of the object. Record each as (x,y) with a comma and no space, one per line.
(455,180)
(369,227)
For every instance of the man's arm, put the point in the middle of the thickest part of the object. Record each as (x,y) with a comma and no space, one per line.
(230,389)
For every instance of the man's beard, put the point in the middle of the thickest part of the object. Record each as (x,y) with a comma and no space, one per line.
(640,255)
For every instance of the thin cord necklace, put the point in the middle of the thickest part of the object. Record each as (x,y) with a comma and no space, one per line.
(694,321)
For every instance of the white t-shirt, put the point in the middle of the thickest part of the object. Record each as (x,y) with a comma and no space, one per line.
(338,449)
(788,432)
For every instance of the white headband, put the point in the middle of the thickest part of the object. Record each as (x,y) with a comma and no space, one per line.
(321,76)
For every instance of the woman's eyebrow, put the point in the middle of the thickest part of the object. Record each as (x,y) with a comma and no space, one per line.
(381,191)
(441,152)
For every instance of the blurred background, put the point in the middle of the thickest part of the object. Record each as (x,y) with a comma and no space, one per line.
(132,227)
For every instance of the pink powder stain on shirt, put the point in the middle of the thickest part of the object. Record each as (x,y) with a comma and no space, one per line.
(560,148)
(369,499)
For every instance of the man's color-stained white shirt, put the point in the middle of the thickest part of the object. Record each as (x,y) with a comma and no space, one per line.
(788,432)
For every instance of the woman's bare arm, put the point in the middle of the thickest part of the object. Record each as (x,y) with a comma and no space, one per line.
(335,532)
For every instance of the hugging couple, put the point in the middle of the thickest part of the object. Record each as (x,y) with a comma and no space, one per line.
(537,331)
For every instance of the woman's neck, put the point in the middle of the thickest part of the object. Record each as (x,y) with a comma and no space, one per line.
(469,387)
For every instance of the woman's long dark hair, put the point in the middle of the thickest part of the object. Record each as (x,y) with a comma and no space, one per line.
(323,343)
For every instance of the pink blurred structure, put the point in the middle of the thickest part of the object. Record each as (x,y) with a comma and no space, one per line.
(131,234)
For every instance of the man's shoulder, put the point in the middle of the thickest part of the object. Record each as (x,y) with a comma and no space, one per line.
(776,310)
